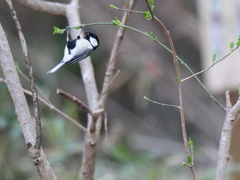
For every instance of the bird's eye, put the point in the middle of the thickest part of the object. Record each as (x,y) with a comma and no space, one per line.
(78,37)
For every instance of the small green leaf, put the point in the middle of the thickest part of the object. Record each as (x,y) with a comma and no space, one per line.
(117,22)
(190,159)
(146,33)
(176,79)
(214,57)
(151,4)
(147,15)
(191,143)
(238,42)
(238,90)
(112,6)
(153,36)
(58,31)
(231,45)
(184,164)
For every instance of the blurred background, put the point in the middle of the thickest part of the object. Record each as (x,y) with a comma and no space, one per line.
(144,139)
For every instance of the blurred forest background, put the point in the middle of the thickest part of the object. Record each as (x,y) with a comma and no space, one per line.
(144,139)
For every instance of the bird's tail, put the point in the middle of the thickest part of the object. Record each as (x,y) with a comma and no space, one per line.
(56,68)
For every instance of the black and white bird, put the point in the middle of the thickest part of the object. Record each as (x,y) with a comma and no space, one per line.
(78,49)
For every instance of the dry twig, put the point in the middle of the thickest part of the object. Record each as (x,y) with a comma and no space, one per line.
(30,75)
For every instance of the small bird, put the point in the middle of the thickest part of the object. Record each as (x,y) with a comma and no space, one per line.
(78,49)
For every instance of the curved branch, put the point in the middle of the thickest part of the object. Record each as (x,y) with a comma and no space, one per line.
(52,8)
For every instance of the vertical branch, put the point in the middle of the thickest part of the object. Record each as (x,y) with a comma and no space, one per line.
(41,163)
(223,154)
(92,137)
(180,87)
(109,75)
(30,74)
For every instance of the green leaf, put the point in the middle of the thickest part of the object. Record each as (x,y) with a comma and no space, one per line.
(146,33)
(117,22)
(184,164)
(190,160)
(238,42)
(214,57)
(58,31)
(176,79)
(151,4)
(191,143)
(112,6)
(147,15)
(231,45)
(153,36)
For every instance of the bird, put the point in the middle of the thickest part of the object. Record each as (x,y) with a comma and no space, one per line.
(78,49)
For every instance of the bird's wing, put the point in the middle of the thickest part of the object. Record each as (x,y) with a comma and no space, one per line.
(80,57)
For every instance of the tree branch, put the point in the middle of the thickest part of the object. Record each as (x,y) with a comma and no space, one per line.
(180,87)
(75,100)
(223,155)
(204,70)
(53,108)
(30,75)
(22,110)
(52,8)
(109,75)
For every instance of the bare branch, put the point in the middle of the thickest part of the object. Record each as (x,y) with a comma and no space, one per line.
(53,108)
(75,100)
(169,105)
(223,156)
(204,70)
(30,75)
(110,83)
(109,75)
(180,87)
(52,8)
(22,110)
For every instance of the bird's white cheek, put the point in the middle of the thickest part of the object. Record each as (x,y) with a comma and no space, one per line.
(93,41)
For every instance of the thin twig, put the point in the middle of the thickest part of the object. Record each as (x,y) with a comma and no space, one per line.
(180,87)
(39,90)
(169,105)
(53,108)
(105,126)
(183,122)
(30,74)
(81,104)
(111,82)
(112,60)
(150,10)
(169,50)
(76,101)
(204,70)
